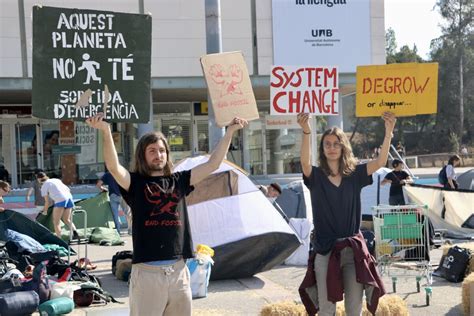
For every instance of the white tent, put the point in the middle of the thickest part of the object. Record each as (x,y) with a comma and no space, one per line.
(368,196)
(448,209)
(230,214)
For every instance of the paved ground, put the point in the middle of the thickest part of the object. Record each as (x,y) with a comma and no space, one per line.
(248,296)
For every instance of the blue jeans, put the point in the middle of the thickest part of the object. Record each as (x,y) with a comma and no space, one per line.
(114,204)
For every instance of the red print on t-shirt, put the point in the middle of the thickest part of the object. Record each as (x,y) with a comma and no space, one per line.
(162,202)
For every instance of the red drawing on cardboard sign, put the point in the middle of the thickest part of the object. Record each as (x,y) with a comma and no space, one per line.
(228,79)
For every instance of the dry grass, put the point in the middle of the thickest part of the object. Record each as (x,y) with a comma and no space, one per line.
(389,305)
(286,308)
(211,312)
(466,293)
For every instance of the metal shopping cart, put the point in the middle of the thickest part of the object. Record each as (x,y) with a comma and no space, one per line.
(402,244)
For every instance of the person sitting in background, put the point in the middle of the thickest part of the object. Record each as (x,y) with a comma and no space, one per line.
(397,179)
(4,190)
(271,191)
(63,202)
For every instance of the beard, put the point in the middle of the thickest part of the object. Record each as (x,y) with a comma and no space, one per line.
(156,167)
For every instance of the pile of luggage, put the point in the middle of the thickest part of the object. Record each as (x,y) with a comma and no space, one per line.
(34,277)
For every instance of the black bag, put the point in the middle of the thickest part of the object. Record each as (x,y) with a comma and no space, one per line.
(453,266)
(126,254)
(369,237)
(10,285)
(19,303)
(442,177)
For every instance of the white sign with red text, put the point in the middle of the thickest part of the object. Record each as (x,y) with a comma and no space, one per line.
(304,89)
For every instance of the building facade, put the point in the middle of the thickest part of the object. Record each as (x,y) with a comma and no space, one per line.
(179,95)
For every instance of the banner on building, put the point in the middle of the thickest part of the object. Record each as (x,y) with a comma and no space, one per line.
(304,89)
(404,89)
(229,87)
(326,32)
(83,59)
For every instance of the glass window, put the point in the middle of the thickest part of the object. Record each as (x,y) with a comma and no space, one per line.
(283,151)
(255,144)
(51,161)
(177,130)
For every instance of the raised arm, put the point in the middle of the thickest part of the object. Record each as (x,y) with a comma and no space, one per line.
(381,160)
(303,121)
(202,171)
(121,175)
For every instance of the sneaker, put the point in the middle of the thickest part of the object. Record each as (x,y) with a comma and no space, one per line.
(75,235)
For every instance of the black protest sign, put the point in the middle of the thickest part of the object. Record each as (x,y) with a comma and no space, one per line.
(77,51)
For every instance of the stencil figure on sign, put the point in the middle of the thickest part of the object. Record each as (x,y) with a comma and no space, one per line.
(229,79)
(91,67)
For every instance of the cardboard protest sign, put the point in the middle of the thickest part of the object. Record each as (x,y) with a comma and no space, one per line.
(229,87)
(404,89)
(304,89)
(81,56)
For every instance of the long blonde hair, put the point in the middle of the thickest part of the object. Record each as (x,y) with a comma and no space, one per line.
(139,163)
(347,161)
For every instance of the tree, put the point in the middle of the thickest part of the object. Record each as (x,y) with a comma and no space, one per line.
(390,45)
(457,38)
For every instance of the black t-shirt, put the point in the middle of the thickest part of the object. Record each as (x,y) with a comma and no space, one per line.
(396,177)
(160,217)
(336,210)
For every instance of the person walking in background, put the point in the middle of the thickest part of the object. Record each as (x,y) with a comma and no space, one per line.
(35,188)
(159,281)
(58,192)
(400,149)
(397,179)
(335,187)
(447,176)
(5,188)
(108,183)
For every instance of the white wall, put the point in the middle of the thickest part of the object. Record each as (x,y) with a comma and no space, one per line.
(10,58)
(178,32)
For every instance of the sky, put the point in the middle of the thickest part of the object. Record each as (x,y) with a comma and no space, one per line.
(414,22)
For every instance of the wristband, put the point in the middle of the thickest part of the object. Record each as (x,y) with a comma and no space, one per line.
(306,133)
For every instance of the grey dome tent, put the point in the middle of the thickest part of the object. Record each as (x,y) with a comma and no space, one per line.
(231,215)
(295,200)
(466,180)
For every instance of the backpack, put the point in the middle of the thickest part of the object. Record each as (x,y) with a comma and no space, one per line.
(119,255)
(453,266)
(369,237)
(442,177)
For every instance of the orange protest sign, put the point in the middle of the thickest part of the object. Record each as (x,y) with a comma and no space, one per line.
(229,87)
(404,89)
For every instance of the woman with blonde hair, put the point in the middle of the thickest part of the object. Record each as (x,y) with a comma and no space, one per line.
(342,265)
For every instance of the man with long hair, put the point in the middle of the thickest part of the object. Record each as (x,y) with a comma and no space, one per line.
(335,187)
(160,281)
